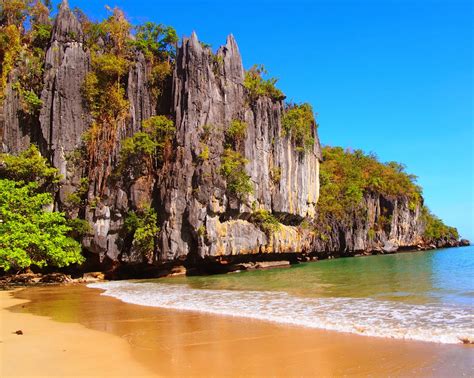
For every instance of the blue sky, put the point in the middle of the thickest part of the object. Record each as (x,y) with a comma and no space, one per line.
(394,77)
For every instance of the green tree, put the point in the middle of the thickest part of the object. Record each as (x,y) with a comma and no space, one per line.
(30,234)
(156,40)
(29,166)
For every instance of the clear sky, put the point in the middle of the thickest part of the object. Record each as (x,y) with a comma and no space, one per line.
(394,77)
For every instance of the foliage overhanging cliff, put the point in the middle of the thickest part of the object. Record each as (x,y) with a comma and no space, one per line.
(171,152)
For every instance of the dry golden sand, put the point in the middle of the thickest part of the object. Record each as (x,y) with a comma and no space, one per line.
(91,335)
(49,348)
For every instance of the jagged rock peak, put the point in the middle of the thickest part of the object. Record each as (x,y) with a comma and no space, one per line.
(229,56)
(194,39)
(66,27)
(230,53)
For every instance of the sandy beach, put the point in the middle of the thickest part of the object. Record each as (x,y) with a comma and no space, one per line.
(51,348)
(74,331)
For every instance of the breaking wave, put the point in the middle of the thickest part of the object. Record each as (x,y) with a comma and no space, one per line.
(440,323)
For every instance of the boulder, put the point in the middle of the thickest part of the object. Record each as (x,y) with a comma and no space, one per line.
(464,243)
(390,247)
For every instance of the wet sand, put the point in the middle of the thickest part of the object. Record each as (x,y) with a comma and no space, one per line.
(73,330)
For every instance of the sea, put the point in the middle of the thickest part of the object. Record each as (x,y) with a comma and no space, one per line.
(426,296)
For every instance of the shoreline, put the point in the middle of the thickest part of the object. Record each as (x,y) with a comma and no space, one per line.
(148,340)
(248,263)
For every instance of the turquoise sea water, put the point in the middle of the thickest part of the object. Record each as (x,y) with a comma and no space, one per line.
(417,295)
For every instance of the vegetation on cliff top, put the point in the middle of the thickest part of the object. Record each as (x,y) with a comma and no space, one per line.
(346,176)
(24,34)
(257,86)
(435,229)
(30,234)
(299,123)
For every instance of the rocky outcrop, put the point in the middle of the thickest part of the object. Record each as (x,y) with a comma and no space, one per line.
(63,117)
(16,135)
(380,224)
(208,95)
(200,221)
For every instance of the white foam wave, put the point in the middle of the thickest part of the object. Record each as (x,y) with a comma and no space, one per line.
(432,322)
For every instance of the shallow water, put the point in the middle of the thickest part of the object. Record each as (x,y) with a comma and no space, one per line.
(426,296)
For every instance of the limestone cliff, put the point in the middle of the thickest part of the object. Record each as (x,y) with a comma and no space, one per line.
(199,219)
(381,224)
(208,94)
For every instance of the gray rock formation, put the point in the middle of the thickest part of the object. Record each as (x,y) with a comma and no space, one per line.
(16,135)
(382,225)
(63,117)
(208,95)
(199,220)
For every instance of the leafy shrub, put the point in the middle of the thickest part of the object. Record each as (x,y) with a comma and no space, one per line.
(204,155)
(298,122)
(41,35)
(28,166)
(232,168)
(257,86)
(265,221)
(371,234)
(160,72)
(147,146)
(31,102)
(161,129)
(109,66)
(202,231)
(275,174)
(79,228)
(143,225)
(137,148)
(236,131)
(206,132)
(77,199)
(30,235)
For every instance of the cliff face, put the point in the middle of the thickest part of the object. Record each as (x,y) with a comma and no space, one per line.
(199,219)
(208,94)
(380,224)
(63,118)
